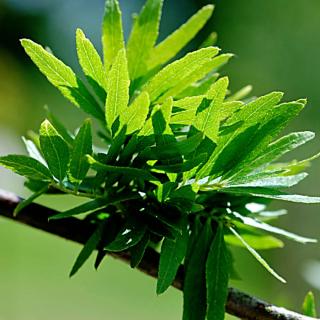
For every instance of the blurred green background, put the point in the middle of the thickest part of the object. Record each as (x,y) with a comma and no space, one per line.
(277,47)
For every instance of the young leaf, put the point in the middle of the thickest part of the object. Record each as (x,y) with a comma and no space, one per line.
(208,120)
(137,251)
(79,166)
(267,227)
(54,149)
(88,248)
(309,305)
(217,276)
(269,193)
(143,37)
(134,117)
(29,200)
(27,167)
(257,256)
(112,34)
(169,47)
(172,254)
(91,64)
(118,89)
(62,77)
(194,291)
(185,67)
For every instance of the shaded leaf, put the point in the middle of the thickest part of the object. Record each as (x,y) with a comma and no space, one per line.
(137,251)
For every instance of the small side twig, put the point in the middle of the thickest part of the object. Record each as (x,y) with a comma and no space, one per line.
(238,304)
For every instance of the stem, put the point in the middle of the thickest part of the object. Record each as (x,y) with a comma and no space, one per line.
(238,304)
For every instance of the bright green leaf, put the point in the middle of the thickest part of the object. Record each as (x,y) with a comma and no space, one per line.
(309,305)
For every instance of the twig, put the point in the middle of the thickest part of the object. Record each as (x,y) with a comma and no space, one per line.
(239,303)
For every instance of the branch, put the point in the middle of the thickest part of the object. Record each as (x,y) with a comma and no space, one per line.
(239,303)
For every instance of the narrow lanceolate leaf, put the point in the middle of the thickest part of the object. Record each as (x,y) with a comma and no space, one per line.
(29,200)
(127,237)
(54,149)
(88,248)
(112,34)
(118,89)
(137,251)
(267,227)
(217,276)
(169,47)
(143,37)
(257,256)
(172,254)
(62,77)
(91,64)
(128,171)
(208,120)
(268,182)
(82,146)
(167,78)
(134,117)
(27,167)
(194,291)
(90,206)
(309,305)
(269,193)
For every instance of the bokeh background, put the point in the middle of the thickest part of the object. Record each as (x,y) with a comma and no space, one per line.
(277,47)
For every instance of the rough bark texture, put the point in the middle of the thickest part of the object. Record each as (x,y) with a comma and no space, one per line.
(239,303)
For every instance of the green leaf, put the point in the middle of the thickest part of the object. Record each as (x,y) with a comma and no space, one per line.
(136,114)
(27,167)
(211,40)
(91,206)
(309,305)
(167,78)
(91,64)
(127,237)
(217,276)
(269,193)
(143,37)
(268,182)
(118,89)
(257,256)
(137,251)
(208,120)
(79,166)
(194,291)
(29,200)
(230,145)
(239,95)
(55,150)
(172,254)
(169,47)
(267,227)
(131,172)
(112,34)
(62,77)
(88,248)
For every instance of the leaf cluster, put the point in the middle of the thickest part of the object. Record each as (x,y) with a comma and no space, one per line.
(187,167)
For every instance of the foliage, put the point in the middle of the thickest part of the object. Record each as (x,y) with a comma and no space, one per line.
(186,165)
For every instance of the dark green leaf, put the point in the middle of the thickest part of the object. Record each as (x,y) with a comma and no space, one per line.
(137,251)
(82,146)
(88,248)
(217,276)
(172,254)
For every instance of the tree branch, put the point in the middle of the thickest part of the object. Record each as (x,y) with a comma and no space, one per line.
(239,303)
